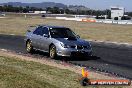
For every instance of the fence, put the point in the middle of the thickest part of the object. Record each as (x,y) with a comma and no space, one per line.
(107,21)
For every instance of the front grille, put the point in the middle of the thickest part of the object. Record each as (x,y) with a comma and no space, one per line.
(85,47)
(79,54)
(80,47)
(73,46)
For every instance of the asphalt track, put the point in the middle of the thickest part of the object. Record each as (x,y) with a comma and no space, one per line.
(111,58)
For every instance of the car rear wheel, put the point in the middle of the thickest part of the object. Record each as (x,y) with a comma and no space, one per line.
(29,47)
(52,52)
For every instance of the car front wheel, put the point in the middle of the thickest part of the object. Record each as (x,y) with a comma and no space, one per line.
(52,52)
(29,47)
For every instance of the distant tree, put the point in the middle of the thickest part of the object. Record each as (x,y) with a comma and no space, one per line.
(10,8)
(1,8)
(61,11)
(129,14)
(89,12)
(32,8)
(116,18)
(56,10)
(49,9)
(26,10)
(108,13)
(125,18)
(67,11)
(20,9)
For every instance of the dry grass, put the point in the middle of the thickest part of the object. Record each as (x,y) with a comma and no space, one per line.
(93,31)
(18,71)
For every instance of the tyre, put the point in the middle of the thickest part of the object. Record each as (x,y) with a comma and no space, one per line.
(52,52)
(29,47)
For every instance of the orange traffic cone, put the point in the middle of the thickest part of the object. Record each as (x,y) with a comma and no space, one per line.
(84,80)
(84,73)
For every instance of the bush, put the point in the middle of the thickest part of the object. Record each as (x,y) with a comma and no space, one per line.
(97,17)
(125,18)
(116,18)
(43,16)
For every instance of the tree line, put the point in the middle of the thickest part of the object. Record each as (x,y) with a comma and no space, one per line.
(56,10)
(20,9)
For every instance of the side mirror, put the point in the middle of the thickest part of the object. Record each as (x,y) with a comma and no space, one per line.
(32,26)
(78,36)
(45,35)
(28,30)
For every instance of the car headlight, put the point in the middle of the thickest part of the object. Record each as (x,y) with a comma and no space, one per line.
(65,45)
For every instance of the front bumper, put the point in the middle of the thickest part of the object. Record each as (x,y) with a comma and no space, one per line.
(74,53)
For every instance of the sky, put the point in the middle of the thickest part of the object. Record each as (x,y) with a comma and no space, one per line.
(94,4)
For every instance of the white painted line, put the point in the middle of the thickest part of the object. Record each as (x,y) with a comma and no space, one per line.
(2,17)
(6,34)
(108,42)
(3,49)
(11,34)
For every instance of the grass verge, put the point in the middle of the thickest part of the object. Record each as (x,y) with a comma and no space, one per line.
(26,74)
(17,71)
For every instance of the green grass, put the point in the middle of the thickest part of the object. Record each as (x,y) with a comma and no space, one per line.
(95,31)
(24,74)
(16,73)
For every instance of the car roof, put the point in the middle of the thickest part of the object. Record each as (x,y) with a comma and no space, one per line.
(52,26)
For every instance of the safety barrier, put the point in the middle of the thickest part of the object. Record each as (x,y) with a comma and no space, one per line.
(88,20)
(115,21)
(108,21)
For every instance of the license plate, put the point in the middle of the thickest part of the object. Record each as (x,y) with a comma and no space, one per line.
(81,52)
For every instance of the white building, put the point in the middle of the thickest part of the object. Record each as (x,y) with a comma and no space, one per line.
(40,12)
(117,12)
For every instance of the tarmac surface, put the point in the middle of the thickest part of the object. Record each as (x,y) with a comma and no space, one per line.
(110,58)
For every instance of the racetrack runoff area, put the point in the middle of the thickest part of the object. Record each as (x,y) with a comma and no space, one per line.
(18,25)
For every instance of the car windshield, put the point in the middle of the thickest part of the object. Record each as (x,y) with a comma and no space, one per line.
(62,33)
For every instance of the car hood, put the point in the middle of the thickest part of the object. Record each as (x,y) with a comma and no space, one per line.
(72,42)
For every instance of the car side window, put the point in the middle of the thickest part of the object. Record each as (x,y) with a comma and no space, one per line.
(38,31)
(41,31)
(45,31)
